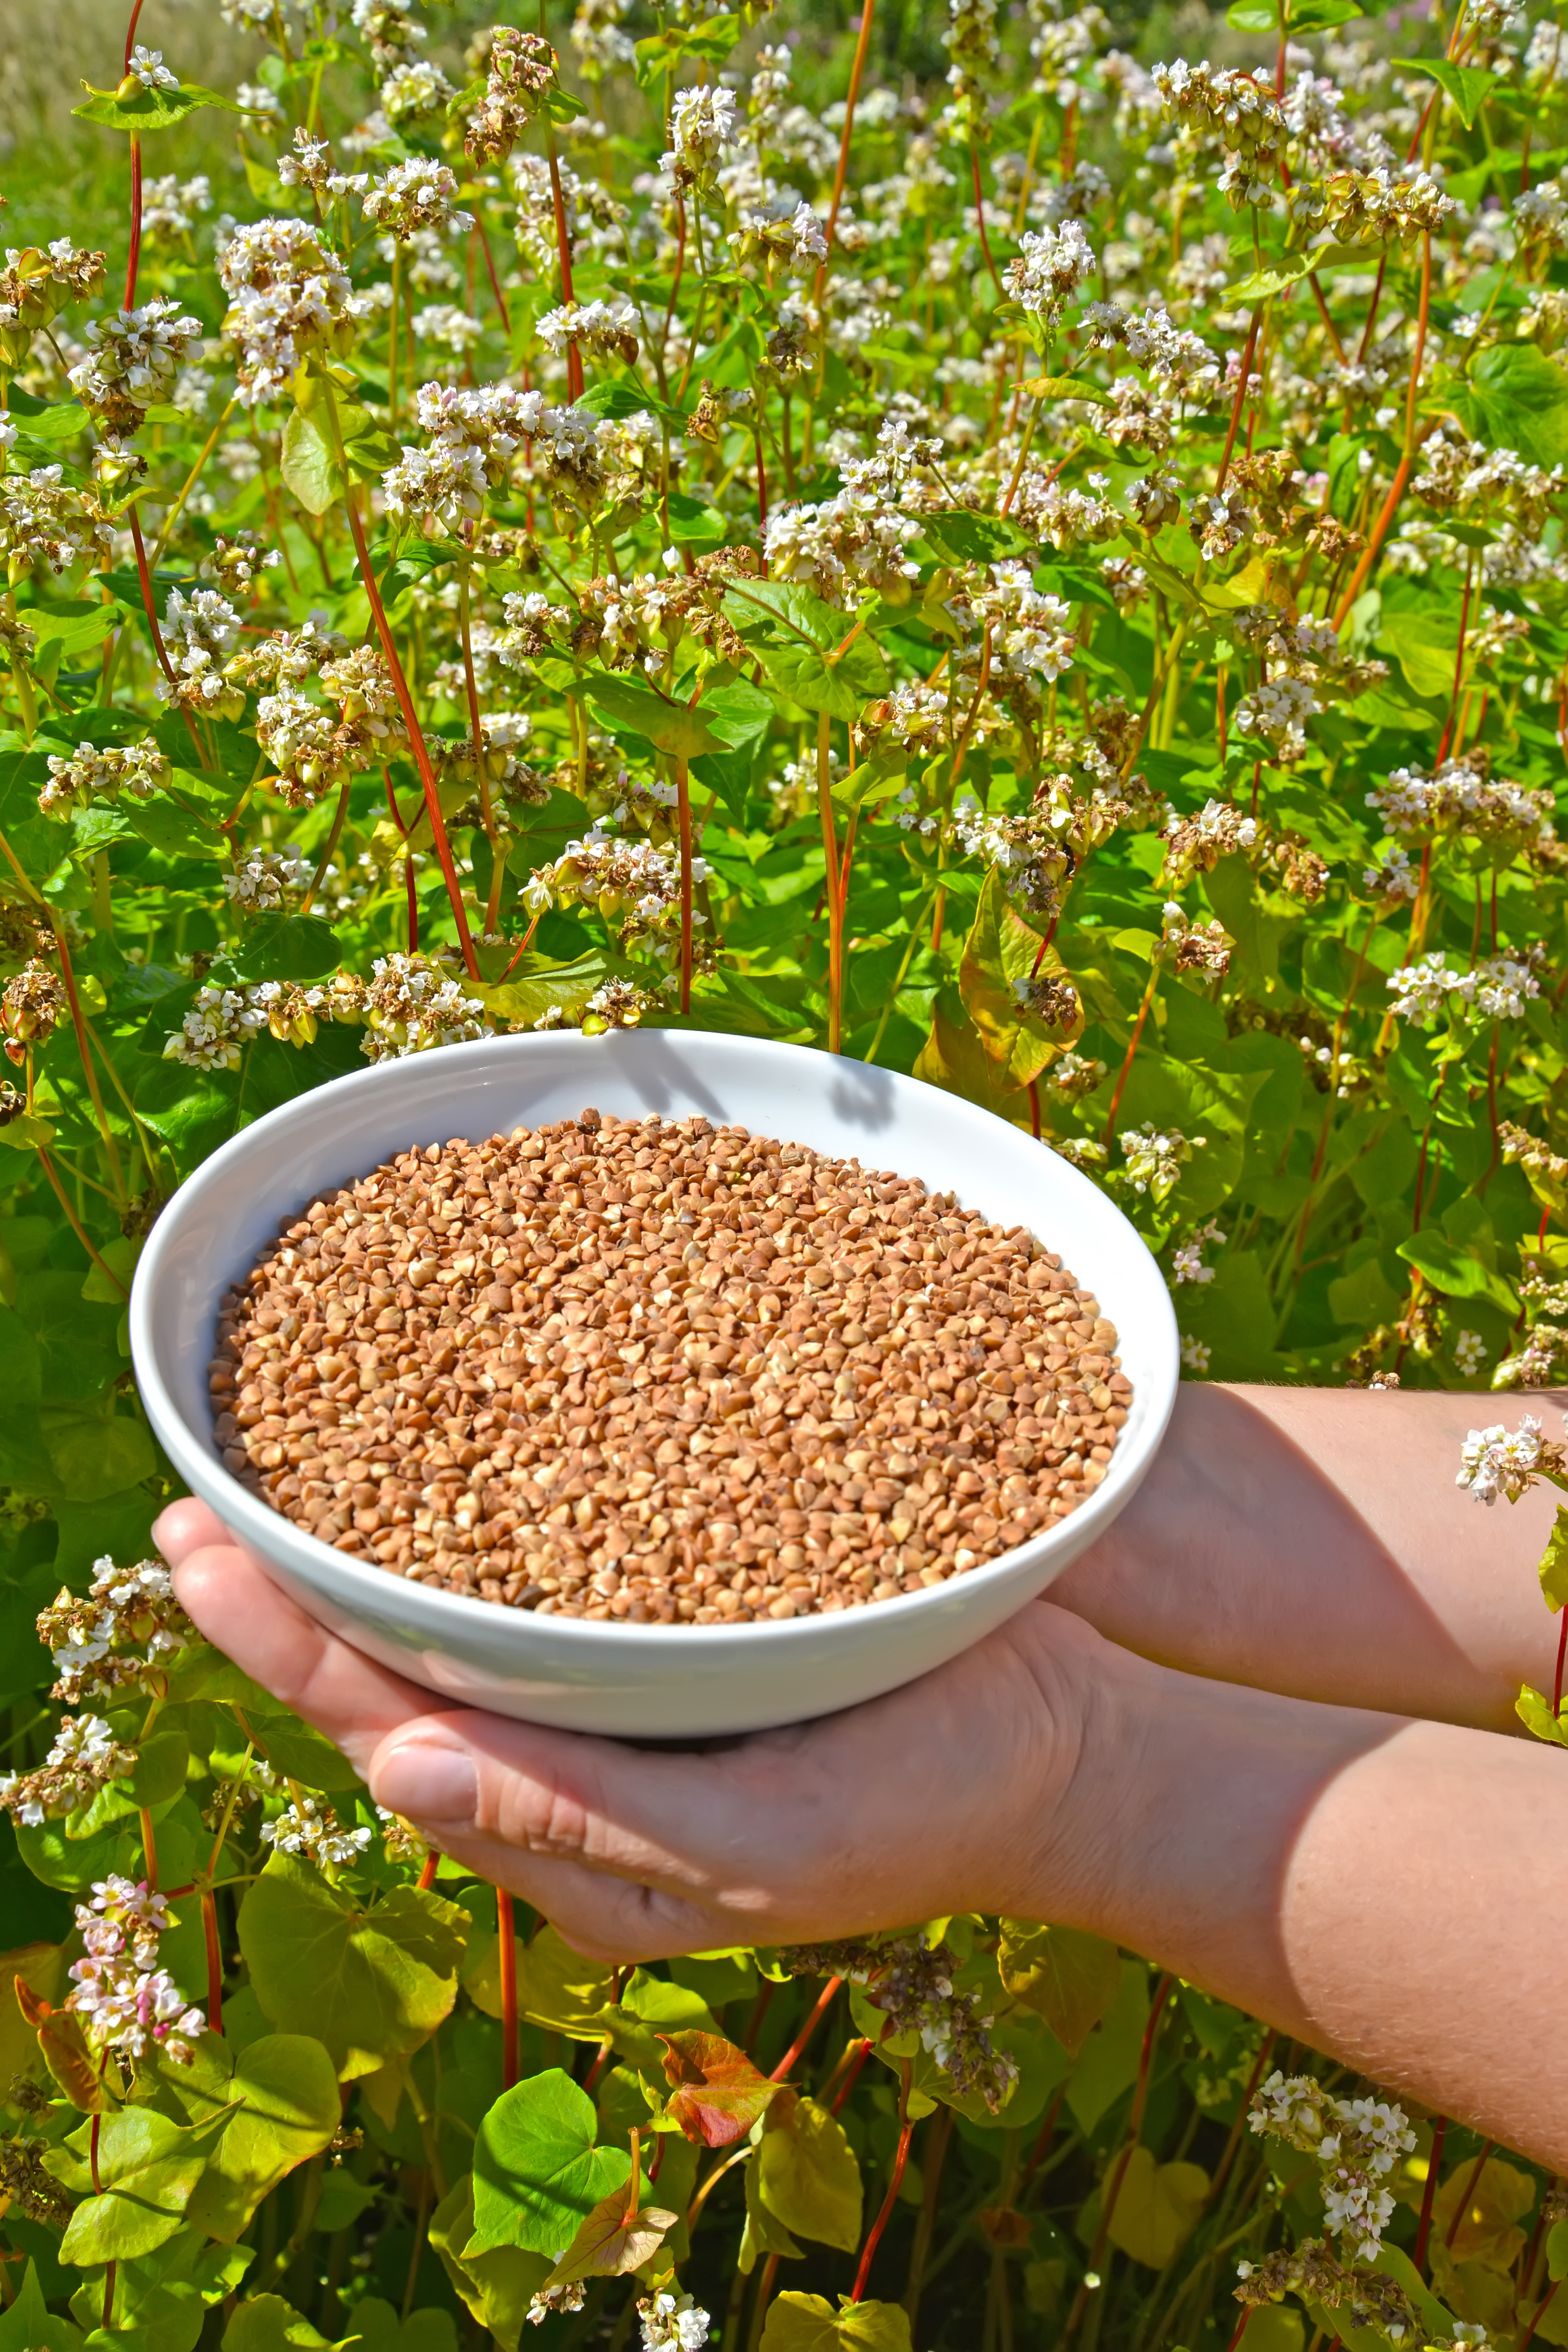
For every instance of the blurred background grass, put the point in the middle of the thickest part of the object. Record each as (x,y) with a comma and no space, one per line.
(61,178)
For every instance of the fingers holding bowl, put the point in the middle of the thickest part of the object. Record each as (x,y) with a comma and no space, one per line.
(236,1606)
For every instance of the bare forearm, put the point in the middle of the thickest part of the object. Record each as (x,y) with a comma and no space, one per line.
(1313,1541)
(1381,1890)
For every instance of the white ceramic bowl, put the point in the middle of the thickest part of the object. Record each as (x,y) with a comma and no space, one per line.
(640,1681)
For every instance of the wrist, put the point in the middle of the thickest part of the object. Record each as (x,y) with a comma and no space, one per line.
(1178,1812)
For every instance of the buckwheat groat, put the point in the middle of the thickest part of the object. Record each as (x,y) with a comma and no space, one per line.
(662,1371)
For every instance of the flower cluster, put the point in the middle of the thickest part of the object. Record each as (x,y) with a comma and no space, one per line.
(309,1826)
(631,883)
(1462,797)
(290,298)
(415,1003)
(120,1635)
(1156,1155)
(198,631)
(414,196)
(1356,2144)
(36,284)
(264,880)
(134,362)
(1498,1461)
(672,2323)
(223,1022)
(84,1757)
(46,524)
(93,774)
(1496,989)
(124,2001)
(911,1984)
(1052,264)
(31,1006)
(522,71)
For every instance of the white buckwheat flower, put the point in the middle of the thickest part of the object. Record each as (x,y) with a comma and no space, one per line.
(1496,1461)
(148,67)
(1048,271)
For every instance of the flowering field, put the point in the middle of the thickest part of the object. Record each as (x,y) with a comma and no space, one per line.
(1049,579)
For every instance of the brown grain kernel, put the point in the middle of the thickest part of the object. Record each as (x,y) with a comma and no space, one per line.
(660,1373)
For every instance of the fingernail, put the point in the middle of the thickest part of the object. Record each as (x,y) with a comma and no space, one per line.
(427,1782)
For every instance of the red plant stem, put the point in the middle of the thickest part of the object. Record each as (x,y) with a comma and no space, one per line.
(1402,474)
(411,721)
(1379,534)
(1440,2133)
(683,795)
(495,281)
(1529,2336)
(1561,1657)
(1372,309)
(606,2048)
(1043,2140)
(133,257)
(131,36)
(67,973)
(842,172)
(796,2047)
(852,2076)
(1222,2173)
(564,250)
(426,1878)
(980,217)
(507,1942)
(1035,1121)
(1333,331)
(831,892)
(407,861)
(1448,735)
(1463,2207)
(149,1848)
(762,488)
(760,2008)
(149,602)
(1241,383)
(906,2130)
(1241,2329)
(76,1224)
(1108,2201)
(215,1960)
(1122,1075)
(674,288)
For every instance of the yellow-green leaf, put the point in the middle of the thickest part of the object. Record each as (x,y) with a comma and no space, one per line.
(808,2174)
(1070,1977)
(808,2323)
(373,1980)
(1157,2208)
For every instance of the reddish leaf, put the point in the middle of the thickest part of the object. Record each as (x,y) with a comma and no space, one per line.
(72,2064)
(717,2093)
(608,2243)
(33,2005)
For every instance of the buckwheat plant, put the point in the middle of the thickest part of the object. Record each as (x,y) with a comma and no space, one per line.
(1025,547)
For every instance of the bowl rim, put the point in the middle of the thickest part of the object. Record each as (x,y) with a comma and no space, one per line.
(427,1607)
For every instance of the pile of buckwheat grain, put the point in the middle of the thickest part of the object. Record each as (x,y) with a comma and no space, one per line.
(645,1369)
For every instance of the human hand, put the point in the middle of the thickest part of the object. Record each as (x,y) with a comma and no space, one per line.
(949,1795)
(1313,1542)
